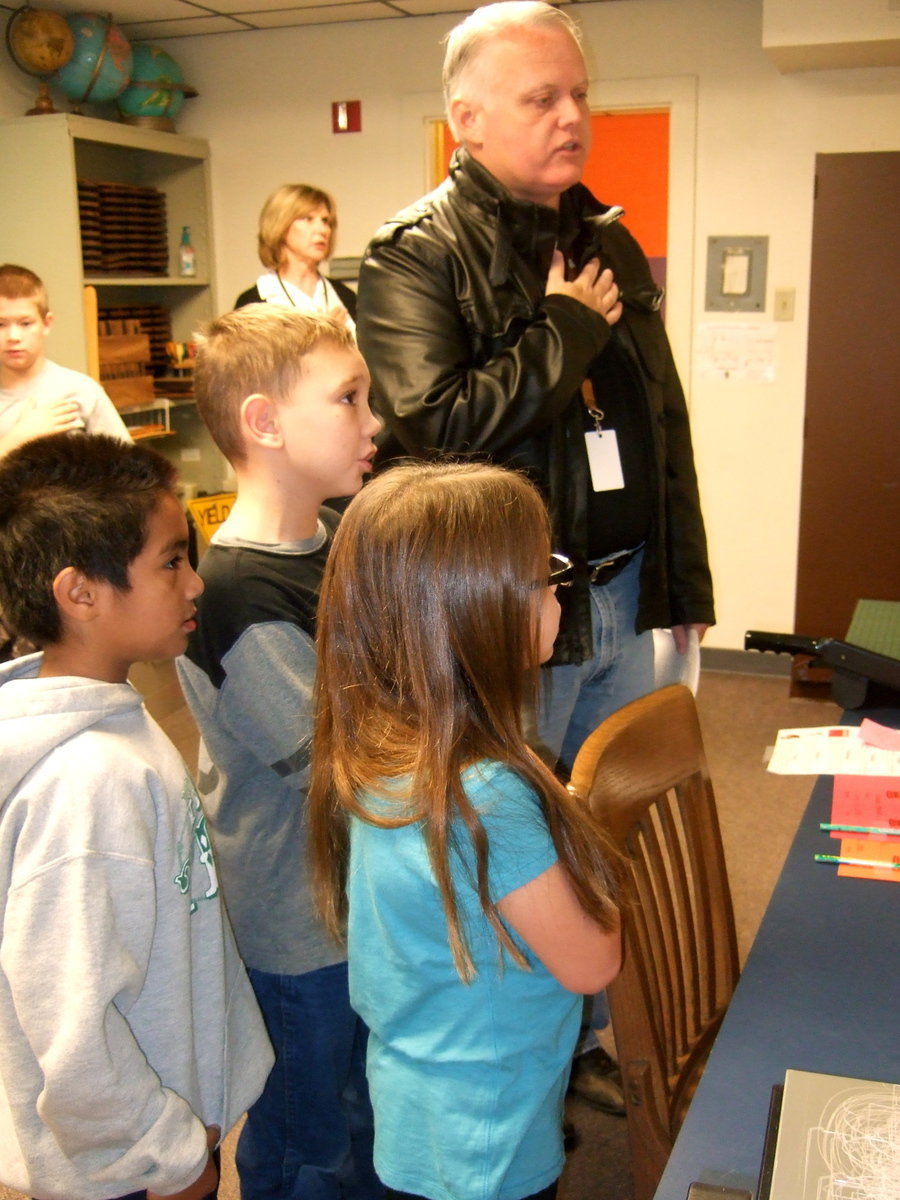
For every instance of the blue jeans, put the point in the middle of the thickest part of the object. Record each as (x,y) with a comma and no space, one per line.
(575,699)
(310,1134)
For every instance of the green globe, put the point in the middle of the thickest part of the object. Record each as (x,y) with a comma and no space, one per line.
(100,66)
(157,89)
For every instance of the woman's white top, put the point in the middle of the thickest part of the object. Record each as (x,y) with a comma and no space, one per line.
(274,289)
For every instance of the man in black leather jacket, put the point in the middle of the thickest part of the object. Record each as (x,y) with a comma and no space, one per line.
(509,315)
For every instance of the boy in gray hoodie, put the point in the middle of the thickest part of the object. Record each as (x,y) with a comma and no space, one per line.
(130,1040)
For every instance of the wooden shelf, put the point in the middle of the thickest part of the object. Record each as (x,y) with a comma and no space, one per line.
(41,227)
(136,281)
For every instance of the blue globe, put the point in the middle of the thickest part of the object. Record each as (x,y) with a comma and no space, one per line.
(100,66)
(157,86)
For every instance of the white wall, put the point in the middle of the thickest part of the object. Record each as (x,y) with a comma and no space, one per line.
(745,155)
(807,23)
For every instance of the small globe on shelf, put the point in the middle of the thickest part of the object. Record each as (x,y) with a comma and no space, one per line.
(156,91)
(101,62)
(40,43)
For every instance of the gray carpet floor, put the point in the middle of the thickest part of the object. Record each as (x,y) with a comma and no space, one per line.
(759,812)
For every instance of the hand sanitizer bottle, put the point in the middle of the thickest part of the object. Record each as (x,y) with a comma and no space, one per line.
(186,256)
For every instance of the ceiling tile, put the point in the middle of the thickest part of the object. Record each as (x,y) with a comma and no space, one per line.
(146,20)
(418,8)
(319,15)
(248,7)
(151,31)
(124,11)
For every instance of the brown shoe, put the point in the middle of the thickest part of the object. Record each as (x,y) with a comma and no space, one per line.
(596,1078)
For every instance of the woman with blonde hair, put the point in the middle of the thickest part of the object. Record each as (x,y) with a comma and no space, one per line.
(296,234)
(478,898)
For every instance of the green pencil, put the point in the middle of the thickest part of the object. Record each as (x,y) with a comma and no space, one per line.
(861,829)
(858,862)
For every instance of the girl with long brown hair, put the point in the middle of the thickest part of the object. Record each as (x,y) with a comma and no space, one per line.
(478,899)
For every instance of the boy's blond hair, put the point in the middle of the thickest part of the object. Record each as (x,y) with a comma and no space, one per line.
(18,283)
(258,348)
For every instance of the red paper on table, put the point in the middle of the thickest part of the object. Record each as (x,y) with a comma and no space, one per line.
(866,800)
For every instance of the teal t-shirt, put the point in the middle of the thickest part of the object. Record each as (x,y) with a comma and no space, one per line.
(467,1080)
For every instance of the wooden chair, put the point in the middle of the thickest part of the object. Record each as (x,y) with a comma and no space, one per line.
(644,774)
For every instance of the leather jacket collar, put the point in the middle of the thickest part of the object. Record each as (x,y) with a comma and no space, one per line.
(530,230)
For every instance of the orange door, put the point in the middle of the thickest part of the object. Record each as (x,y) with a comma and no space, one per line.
(628,165)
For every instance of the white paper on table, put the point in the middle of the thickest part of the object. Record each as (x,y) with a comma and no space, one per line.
(830,750)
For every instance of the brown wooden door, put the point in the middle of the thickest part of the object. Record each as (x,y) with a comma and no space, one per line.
(849,545)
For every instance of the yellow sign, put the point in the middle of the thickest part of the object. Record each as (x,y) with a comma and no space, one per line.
(210,511)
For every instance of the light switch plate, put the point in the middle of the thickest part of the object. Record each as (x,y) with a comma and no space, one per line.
(736,274)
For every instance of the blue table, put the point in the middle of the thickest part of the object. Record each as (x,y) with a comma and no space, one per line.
(820,991)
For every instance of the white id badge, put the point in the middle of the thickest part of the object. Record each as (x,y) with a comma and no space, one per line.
(603,458)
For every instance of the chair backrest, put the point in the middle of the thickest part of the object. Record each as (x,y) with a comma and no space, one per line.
(644,774)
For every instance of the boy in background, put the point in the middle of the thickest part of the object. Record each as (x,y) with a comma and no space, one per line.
(285,397)
(37,396)
(129,1036)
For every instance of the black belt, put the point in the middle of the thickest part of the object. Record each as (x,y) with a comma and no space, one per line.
(607,569)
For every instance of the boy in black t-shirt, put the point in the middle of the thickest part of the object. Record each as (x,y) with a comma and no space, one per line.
(285,397)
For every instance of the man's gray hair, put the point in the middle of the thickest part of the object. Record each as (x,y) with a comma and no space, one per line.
(466,41)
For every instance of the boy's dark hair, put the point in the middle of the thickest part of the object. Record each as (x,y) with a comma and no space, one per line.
(18,283)
(71,500)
